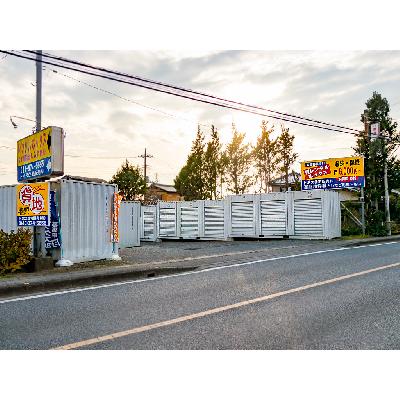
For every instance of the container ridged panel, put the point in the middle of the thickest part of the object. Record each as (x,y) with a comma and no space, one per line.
(86,220)
(273,218)
(242,218)
(308,217)
(189,222)
(129,224)
(8,208)
(148,223)
(214,221)
(167,222)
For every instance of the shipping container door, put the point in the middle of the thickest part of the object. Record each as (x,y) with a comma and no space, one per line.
(167,222)
(189,221)
(242,219)
(273,218)
(214,221)
(148,223)
(308,217)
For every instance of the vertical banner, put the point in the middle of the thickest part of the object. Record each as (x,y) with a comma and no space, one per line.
(52,232)
(115,215)
(33,201)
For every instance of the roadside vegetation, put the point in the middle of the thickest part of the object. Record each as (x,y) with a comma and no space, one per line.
(15,250)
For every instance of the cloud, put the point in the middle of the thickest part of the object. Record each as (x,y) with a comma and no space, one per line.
(328,86)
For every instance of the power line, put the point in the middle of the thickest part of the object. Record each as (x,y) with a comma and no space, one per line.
(129,100)
(48,55)
(224,105)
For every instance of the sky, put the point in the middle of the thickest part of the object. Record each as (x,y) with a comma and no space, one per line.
(102,130)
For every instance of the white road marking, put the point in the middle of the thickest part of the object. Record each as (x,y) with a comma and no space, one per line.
(210,269)
(216,310)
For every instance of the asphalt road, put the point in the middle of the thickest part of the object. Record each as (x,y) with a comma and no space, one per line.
(322,299)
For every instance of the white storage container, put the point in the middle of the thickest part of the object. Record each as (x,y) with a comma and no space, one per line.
(243,215)
(315,214)
(273,217)
(129,224)
(86,212)
(148,216)
(167,220)
(213,220)
(188,215)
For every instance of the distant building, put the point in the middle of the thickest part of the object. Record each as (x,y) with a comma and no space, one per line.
(163,192)
(279,184)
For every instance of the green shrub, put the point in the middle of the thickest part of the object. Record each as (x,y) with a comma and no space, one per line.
(376,223)
(15,250)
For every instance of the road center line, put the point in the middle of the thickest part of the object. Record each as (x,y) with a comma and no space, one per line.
(201,271)
(217,310)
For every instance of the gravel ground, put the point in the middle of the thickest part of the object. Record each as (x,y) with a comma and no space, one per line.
(177,250)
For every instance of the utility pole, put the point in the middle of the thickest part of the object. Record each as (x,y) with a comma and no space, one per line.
(366,130)
(145,156)
(38,90)
(387,200)
(36,232)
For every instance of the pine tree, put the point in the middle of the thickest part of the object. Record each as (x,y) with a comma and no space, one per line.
(212,165)
(190,182)
(265,157)
(375,152)
(287,156)
(238,156)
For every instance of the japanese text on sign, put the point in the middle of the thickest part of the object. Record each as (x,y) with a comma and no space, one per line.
(115,216)
(34,155)
(333,173)
(33,204)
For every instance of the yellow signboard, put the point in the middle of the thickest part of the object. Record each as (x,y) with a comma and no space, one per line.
(33,200)
(34,155)
(333,173)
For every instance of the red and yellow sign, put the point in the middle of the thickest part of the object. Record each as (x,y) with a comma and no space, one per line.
(33,204)
(333,173)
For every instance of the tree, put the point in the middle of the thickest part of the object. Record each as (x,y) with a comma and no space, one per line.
(212,165)
(375,153)
(130,181)
(265,157)
(238,156)
(287,156)
(190,181)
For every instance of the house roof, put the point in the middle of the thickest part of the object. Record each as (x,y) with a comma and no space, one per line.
(166,188)
(280,180)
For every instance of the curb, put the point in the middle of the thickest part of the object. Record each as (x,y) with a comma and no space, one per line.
(81,278)
(359,242)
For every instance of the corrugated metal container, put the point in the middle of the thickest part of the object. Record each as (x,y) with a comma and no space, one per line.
(129,224)
(213,219)
(189,219)
(85,211)
(273,216)
(8,208)
(148,222)
(167,220)
(243,213)
(315,214)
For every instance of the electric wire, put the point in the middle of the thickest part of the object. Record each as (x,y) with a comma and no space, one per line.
(129,100)
(224,105)
(48,55)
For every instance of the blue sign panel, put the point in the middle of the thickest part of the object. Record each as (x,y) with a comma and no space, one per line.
(52,232)
(333,183)
(34,169)
(36,220)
